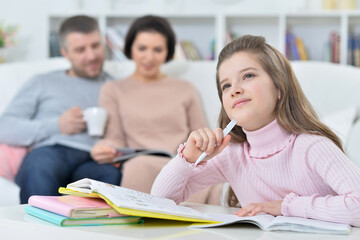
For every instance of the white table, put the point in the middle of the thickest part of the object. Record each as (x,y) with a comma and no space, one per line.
(15,224)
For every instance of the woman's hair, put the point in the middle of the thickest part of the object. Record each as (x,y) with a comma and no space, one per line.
(151,23)
(293,111)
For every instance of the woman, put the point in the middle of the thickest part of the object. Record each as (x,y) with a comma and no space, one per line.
(148,109)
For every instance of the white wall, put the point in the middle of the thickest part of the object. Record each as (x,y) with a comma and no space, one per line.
(32,15)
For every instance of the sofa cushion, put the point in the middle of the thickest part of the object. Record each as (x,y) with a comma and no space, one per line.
(10,160)
(341,122)
(353,147)
(10,193)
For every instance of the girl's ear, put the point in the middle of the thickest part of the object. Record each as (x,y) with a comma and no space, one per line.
(279,95)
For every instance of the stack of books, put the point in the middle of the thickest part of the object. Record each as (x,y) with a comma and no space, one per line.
(76,211)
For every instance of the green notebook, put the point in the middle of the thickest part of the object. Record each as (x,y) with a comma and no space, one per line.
(65,221)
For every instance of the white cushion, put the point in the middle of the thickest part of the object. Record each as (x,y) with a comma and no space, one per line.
(10,193)
(341,123)
(353,146)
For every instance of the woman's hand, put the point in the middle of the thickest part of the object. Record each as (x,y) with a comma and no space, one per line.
(207,140)
(272,207)
(103,154)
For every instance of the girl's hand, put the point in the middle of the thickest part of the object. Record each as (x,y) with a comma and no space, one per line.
(272,207)
(207,140)
(103,154)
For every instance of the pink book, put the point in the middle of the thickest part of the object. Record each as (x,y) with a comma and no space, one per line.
(74,207)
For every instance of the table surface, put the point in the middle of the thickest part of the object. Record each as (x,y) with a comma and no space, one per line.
(16,224)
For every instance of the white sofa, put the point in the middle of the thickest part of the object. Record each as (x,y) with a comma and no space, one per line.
(334,91)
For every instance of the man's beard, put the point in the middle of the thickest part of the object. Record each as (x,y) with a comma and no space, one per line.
(83,74)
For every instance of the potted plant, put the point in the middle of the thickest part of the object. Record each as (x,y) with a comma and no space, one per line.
(7,35)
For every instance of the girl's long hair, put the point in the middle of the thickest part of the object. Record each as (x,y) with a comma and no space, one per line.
(293,111)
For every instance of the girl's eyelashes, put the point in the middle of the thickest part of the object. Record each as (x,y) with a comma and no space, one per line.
(248,75)
(225,86)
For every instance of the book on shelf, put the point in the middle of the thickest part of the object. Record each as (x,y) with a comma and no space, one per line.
(128,153)
(350,49)
(229,37)
(131,202)
(188,50)
(179,52)
(61,220)
(73,206)
(301,49)
(354,49)
(293,52)
(54,45)
(212,48)
(115,42)
(335,47)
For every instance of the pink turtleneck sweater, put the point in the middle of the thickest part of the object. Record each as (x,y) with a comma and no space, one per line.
(309,173)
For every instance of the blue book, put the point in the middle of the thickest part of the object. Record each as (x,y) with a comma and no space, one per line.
(60,220)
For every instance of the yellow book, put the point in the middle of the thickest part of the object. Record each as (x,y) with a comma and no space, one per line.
(134,203)
(301,48)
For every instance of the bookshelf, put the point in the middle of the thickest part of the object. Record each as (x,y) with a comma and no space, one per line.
(198,29)
(314,28)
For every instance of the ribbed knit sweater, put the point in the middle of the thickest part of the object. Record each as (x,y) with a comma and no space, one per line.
(312,176)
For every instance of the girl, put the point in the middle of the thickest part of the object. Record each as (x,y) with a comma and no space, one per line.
(282,160)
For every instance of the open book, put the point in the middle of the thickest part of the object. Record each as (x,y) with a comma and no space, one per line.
(280,223)
(134,203)
(127,153)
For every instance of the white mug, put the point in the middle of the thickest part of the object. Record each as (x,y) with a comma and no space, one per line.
(95,118)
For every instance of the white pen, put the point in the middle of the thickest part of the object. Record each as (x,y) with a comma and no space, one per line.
(226,131)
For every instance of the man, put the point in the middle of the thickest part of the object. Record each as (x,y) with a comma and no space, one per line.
(46,116)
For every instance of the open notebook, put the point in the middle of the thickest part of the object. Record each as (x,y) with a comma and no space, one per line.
(280,223)
(134,203)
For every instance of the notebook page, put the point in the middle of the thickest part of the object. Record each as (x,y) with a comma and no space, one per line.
(127,198)
(263,221)
(308,225)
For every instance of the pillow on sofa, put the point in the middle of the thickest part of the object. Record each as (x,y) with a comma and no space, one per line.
(10,193)
(341,123)
(10,160)
(353,146)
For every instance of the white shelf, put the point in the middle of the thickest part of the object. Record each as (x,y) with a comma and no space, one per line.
(314,28)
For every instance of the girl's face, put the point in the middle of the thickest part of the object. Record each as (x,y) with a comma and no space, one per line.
(149,52)
(248,92)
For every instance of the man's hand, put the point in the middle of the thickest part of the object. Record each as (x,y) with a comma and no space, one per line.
(272,207)
(71,121)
